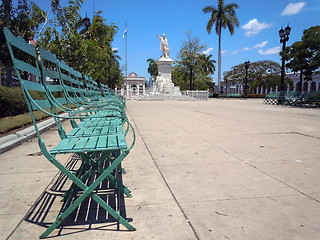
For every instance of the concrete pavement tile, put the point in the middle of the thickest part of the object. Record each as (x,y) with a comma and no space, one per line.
(8,223)
(143,177)
(33,162)
(221,181)
(270,147)
(188,142)
(158,221)
(147,186)
(19,191)
(186,150)
(300,173)
(285,218)
(315,196)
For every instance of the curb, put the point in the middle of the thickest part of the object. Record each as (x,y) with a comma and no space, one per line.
(15,139)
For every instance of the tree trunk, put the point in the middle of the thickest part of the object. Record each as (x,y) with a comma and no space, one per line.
(219,62)
(191,73)
(0,75)
(301,72)
(9,75)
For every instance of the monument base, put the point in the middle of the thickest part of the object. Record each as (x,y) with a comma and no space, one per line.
(168,88)
(164,66)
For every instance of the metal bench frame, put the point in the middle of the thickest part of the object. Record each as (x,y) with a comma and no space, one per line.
(93,150)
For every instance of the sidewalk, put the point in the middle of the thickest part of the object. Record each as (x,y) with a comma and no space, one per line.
(13,140)
(221,169)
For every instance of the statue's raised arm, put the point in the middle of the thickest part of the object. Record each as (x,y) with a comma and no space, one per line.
(164,46)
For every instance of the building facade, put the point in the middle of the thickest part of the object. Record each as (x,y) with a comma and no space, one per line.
(133,85)
(307,86)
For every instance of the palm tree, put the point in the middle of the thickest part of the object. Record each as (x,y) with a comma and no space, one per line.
(209,66)
(153,68)
(224,16)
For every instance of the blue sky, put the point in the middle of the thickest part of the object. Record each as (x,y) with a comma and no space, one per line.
(257,37)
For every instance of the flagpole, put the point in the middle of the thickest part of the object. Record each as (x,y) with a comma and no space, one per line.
(126,35)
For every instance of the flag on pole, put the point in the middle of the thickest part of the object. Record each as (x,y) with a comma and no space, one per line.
(125,32)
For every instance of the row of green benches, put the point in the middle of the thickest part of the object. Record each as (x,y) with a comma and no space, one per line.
(100,127)
(294,98)
(230,95)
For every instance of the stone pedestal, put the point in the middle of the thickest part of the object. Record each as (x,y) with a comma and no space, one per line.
(164,66)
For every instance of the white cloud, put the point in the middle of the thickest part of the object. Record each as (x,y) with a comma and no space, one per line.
(270,51)
(261,45)
(115,49)
(253,27)
(246,49)
(293,8)
(236,51)
(224,51)
(208,51)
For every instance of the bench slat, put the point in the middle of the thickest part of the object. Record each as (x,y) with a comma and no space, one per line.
(92,143)
(102,142)
(81,144)
(112,141)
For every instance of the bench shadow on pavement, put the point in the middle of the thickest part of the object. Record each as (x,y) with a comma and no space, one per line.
(88,214)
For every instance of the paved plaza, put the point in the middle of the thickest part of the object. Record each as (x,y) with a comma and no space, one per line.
(217,169)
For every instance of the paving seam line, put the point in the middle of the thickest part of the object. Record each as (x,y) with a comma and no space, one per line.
(165,181)
(27,213)
(249,164)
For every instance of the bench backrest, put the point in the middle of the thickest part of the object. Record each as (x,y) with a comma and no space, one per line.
(26,66)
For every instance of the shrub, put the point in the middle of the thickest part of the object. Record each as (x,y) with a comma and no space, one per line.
(12,102)
(256,95)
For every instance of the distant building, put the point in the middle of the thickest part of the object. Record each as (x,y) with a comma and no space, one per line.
(307,86)
(133,85)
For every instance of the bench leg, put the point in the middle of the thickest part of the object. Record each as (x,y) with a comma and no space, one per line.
(88,191)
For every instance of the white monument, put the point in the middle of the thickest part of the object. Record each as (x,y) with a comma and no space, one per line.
(164,46)
(164,83)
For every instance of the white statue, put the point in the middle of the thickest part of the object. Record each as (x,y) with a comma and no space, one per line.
(164,47)
(159,82)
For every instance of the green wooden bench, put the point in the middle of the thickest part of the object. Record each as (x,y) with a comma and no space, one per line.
(311,99)
(94,150)
(272,98)
(72,88)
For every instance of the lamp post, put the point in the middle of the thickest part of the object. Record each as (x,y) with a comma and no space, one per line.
(246,65)
(86,22)
(284,37)
(226,85)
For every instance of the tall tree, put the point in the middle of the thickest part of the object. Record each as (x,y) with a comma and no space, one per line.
(189,55)
(223,16)
(304,55)
(23,20)
(298,55)
(208,64)
(88,50)
(192,65)
(153,68)
(263,73)
(311,37)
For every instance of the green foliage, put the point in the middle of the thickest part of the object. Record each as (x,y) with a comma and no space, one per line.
(13,122)
(264,74)
(192,70)
(12,102)
(23,20)
(86,49)
(153,68)
(311,37)
(223,16)
(304,55)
